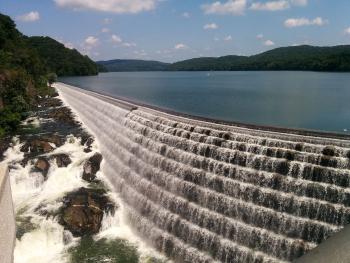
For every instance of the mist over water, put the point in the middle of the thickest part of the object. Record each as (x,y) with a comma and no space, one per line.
(308,100)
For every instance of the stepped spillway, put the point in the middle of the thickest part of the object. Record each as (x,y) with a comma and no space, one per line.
(205,192)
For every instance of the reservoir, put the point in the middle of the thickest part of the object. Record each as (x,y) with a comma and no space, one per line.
(289,99)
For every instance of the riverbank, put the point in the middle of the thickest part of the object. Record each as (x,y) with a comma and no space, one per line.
(65,209)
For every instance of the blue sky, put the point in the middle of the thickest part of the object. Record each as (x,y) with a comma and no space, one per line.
(172,30)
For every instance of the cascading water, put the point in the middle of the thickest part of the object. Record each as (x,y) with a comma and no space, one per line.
(202,192)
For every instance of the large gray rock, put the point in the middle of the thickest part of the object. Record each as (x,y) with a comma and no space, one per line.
(91,167)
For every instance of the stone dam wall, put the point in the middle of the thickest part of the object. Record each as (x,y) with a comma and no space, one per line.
(205,192)
(7,218)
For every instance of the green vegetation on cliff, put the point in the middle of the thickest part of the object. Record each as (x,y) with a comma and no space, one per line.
(22,76)
(310,58)
(61,60)
(25,71)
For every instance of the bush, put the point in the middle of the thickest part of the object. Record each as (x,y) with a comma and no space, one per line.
(9,121)
(51,78)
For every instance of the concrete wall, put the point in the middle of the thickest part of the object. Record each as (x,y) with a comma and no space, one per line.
(7,218)
(201,191)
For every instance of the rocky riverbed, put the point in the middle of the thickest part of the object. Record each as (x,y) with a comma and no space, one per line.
(65,211)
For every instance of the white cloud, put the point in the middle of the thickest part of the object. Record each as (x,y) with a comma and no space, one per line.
(230,7)
(347,31)
(268,43)
(270,6)
(29,17)
(91,41)
(228,38)
(107,21)
(116,39)
(260,36)
(68,45)
(180,46)
(140,53)
(211,26)
(299,2)
(114,6)
(297,22)
(216,39)
(186,15)
(105,30)
(127,44)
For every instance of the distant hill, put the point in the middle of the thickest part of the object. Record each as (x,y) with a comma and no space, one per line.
(309,58)
(61,60)
(132,65)
(305,57)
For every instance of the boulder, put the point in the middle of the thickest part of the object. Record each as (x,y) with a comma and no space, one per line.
(329,151)
(42,165)
(91,167)
(53,138)
(43,144)
(50,102)
(62,114)
(62,160)
(37,146)
(83,211)
(87,141)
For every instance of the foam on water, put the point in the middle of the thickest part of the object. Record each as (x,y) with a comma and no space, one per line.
(37,200)
(117,226)
(34,198)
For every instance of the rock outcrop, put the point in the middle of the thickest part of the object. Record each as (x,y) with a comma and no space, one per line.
(42,165)
(83,211)
(37,146)
(62,160)
(91,167)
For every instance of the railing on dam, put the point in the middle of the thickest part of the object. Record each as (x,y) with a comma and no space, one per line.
(201,191)
(7,218)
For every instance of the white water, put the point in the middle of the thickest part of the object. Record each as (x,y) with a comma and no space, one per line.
(34,197)
(200,193)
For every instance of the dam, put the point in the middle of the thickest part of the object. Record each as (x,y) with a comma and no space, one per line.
(200,191)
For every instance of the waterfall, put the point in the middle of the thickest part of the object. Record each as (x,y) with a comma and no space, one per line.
(204,192)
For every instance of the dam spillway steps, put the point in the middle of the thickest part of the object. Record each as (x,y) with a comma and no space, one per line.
(204,192)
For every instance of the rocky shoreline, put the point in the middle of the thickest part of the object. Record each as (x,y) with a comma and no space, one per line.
(36,155)
(83,209)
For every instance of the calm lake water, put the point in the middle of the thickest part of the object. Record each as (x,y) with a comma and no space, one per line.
(308,100)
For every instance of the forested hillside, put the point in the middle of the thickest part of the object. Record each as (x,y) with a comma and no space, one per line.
(132,65)
(61,60)
(311,58)
(22,76)
(26,69)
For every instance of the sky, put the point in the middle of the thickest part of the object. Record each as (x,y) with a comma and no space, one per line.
(173,30)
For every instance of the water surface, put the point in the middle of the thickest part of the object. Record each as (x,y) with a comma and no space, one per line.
(308,100)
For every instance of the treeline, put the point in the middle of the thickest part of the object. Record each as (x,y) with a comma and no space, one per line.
(25,73)
(305,57)
(118,65)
